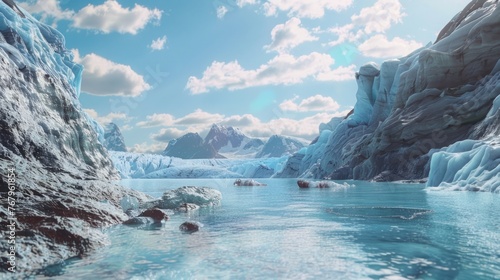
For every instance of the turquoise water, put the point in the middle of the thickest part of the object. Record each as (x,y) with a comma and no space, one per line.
(369,231)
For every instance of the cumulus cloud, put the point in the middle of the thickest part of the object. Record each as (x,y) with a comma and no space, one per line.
(379,46)
(199,117)
(221,11)
(283,69)
(158,44)
(104,77)
(304,9)
(112,17)
(340,74)
(380,16)
(289,35)
(287,124)
(157,120)
(49,10)
(148,148)
(103,120)
(242,3)
(377,18)
(316,103)
(167,134)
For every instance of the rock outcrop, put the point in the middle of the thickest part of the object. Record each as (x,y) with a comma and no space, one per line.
(52,166)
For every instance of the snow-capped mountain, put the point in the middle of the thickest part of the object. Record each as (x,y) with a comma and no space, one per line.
(408,108)
(278,146)
(220,142)
(232,143)
(113,138)
(190,146)
(61,170)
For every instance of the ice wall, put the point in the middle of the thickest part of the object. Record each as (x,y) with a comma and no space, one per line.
(133,165)
(62,191)
(425,101)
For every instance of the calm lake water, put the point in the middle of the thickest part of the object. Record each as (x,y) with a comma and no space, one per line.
(368,231)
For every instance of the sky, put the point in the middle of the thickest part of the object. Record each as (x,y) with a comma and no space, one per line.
(162,68)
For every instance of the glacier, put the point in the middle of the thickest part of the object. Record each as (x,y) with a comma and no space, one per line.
(411,107)
(62,189)
(135,165)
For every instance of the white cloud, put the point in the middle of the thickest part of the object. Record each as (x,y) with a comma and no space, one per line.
(304,9)
(242,3)
(306,128)
(148,148)
(167,134)
(49,10)
(221,11)
(283,69)
(380,16)
(289,35)
(112,17)
(104,77)
(103,120)
(340,74)
(377,18)
(316,103)
(199,117)
(157,120)
(158,44)
(379,46)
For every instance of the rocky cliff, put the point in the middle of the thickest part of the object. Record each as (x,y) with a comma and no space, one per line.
(409,107)
(54,172)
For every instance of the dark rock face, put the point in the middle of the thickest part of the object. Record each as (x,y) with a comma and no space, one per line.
(113,138)
(190,146)
(278,146)
(190,227)
(61,190)
(254,143)
(220,136)
(139,221)
(156,214)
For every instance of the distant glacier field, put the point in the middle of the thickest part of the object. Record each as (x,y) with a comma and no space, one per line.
(361,231)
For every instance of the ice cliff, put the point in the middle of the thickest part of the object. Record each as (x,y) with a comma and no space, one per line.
(62,195)
(435,97)
(133,165)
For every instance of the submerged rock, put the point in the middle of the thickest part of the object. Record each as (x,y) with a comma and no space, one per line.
(187,207)
(190,226)
(201,196)
(247,183)
(156,214)
(136,221)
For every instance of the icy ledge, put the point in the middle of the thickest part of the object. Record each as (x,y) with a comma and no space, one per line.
(472,165)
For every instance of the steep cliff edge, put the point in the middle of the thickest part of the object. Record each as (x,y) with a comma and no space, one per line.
(428,100)
(54,183)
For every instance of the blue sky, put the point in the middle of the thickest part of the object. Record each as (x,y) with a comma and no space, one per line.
(160,69)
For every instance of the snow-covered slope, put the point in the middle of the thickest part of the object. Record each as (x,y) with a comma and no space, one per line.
(471,164)
(61,190)
(278,146)
(132,165)
(409,106)
(190,146)
(113,138)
